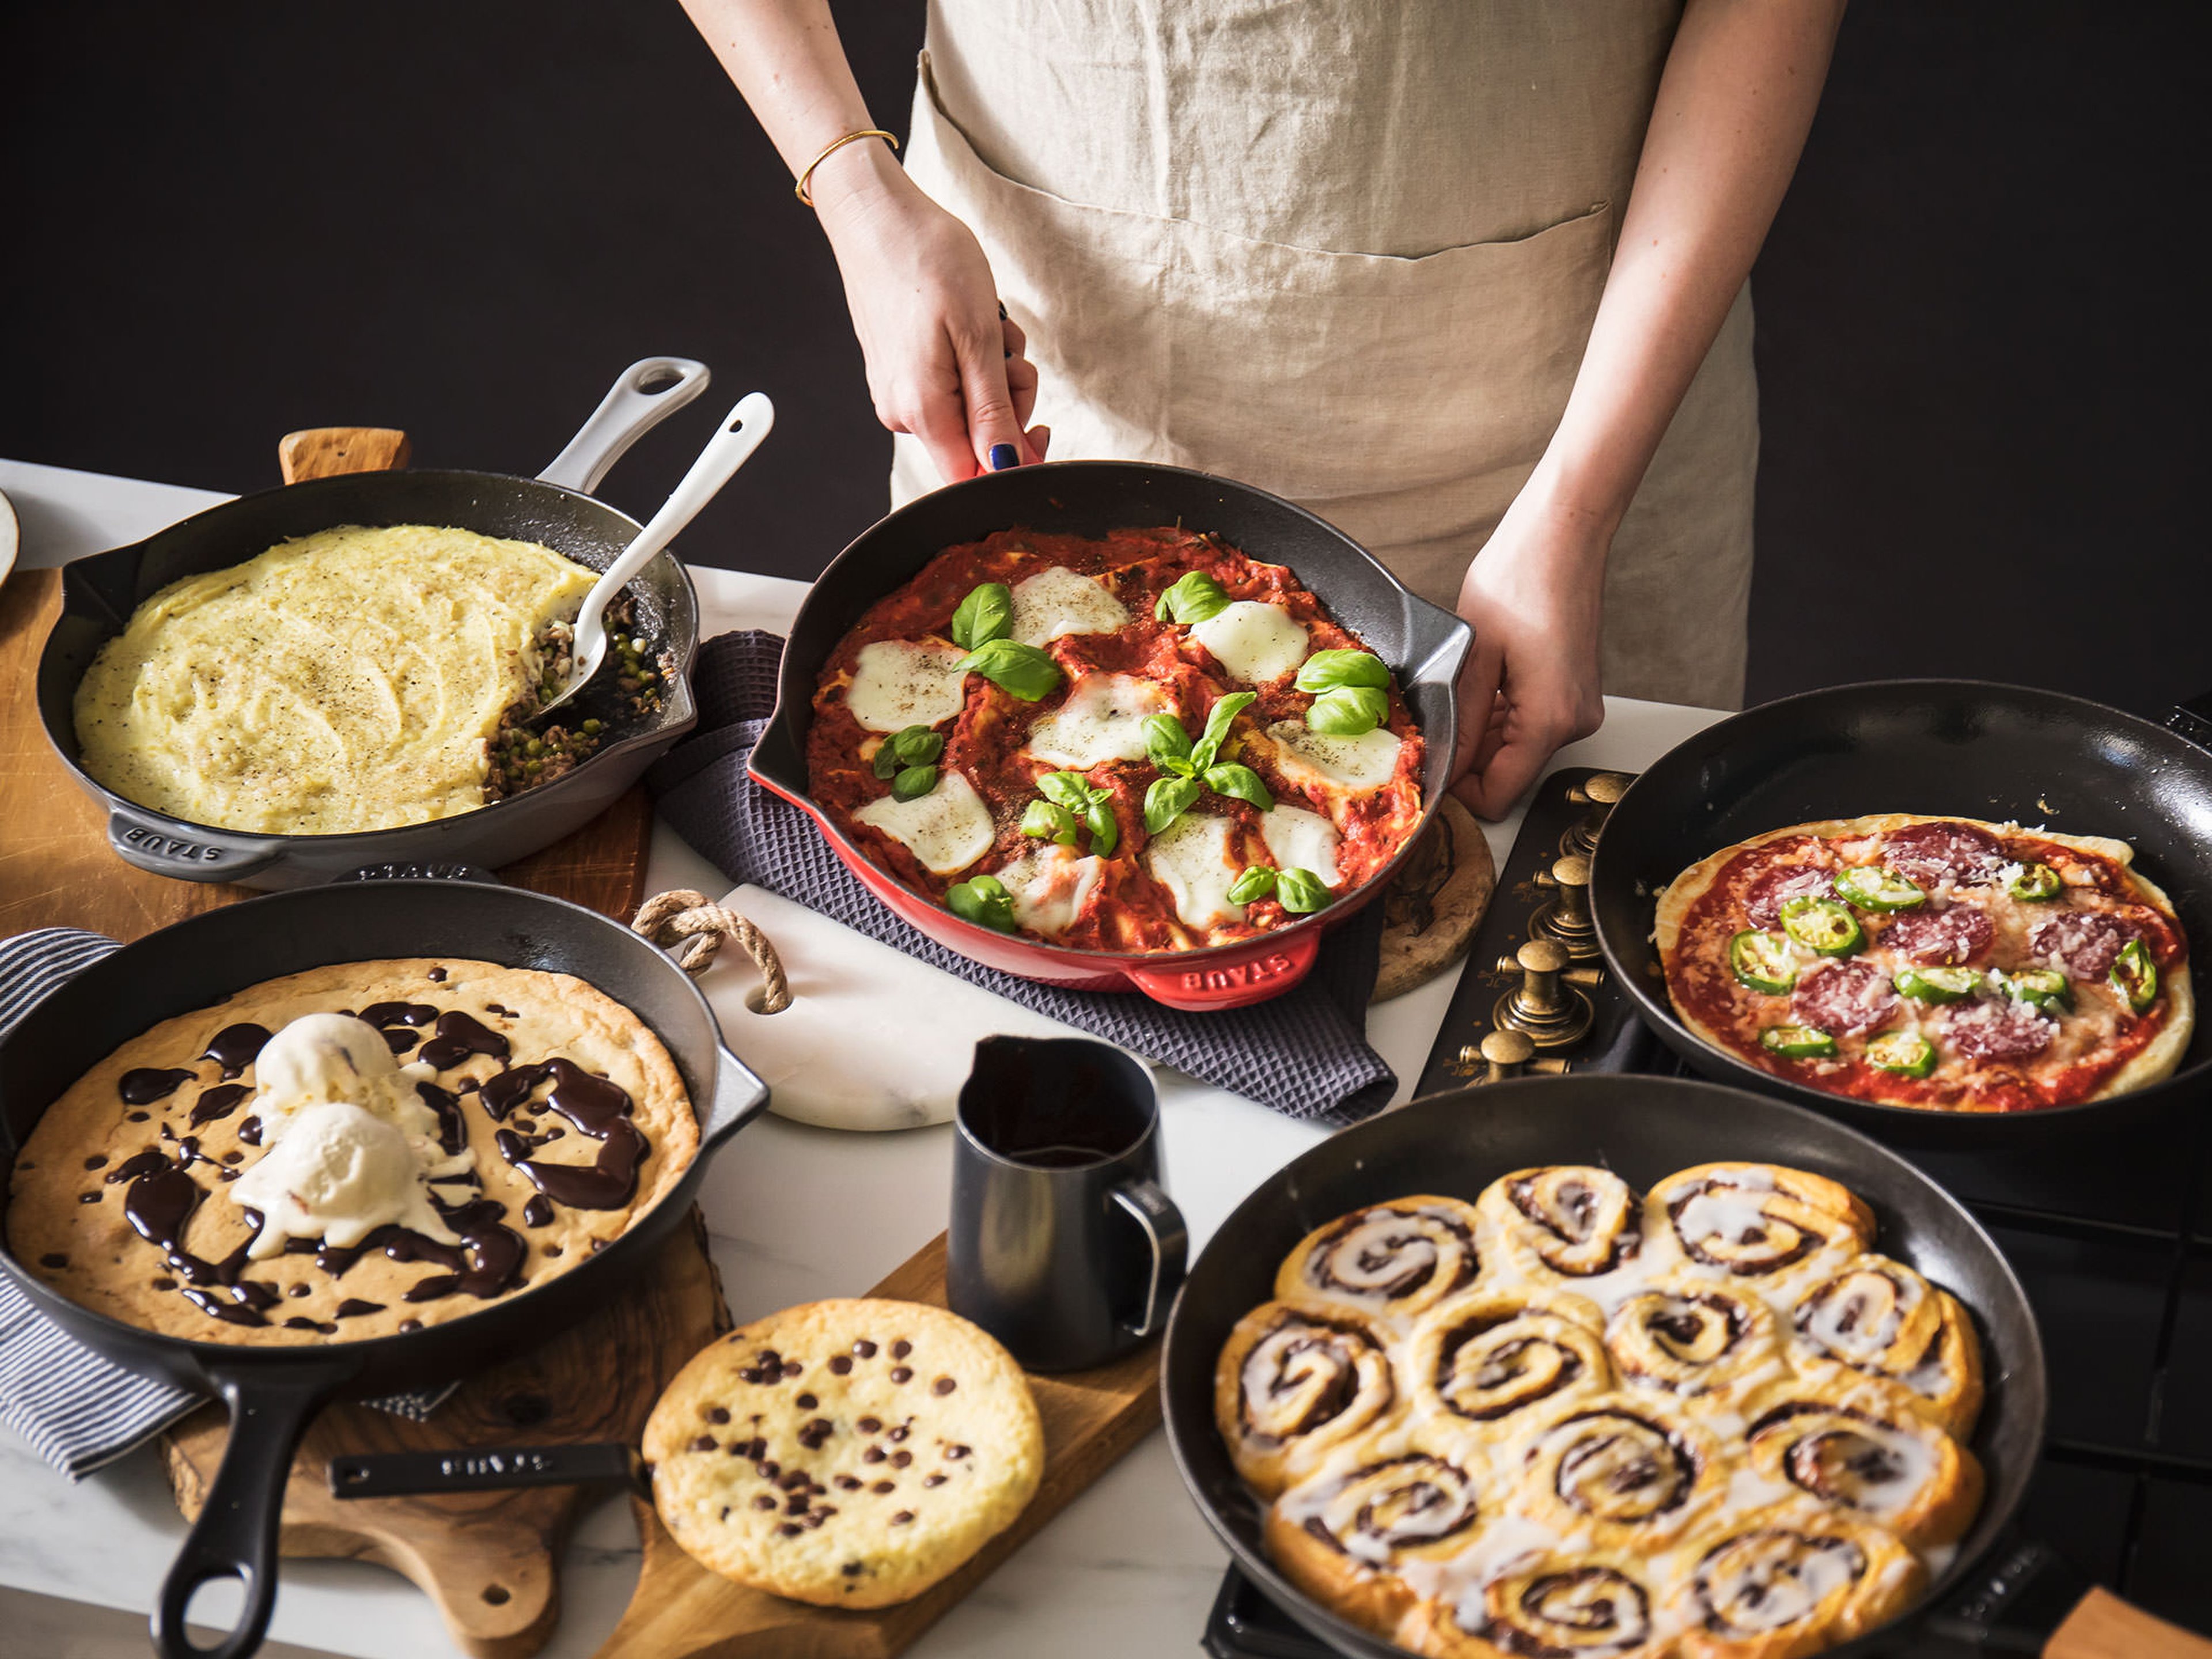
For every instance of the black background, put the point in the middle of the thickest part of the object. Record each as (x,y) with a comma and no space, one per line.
(1980,338)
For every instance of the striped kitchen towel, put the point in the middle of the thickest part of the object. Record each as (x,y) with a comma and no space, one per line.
(77,1409)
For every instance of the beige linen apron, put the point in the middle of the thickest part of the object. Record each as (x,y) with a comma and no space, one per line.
(1348,251)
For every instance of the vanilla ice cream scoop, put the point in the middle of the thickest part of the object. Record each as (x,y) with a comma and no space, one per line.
(338,1174)
(324,1057)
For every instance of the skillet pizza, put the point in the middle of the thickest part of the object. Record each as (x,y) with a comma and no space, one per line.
(1941,962)
(1142,742)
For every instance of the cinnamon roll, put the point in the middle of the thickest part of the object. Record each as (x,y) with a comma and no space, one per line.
(1788,1582)
(1701,1339)
(1879,1318)
(1567,1222)
(1294,1383)
(1763,1226)
(1583,1604)
(1477,1366)
(1348,1535)
(1390,1261)
(1856,1454)
(1627,1471)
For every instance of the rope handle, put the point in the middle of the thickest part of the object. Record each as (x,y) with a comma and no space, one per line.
(691,928)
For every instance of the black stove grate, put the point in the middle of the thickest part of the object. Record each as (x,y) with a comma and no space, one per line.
(2112,1238)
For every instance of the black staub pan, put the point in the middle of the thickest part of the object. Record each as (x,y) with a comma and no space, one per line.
(1644,1129)
(273,1392)
(1996,752)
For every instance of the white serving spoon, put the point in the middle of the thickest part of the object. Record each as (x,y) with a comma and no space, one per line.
(739,435)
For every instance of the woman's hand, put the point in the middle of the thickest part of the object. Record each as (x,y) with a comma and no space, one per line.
(943,362)
(1533,595)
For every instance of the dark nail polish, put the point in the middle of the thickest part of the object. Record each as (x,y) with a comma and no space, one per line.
(1004,456)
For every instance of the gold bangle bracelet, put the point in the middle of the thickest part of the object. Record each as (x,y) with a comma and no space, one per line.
(829,149)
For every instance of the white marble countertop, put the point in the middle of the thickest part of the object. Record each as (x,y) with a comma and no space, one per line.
(1128,1568)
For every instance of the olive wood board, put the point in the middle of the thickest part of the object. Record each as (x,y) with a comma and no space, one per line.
(489,1560)
(681,1611)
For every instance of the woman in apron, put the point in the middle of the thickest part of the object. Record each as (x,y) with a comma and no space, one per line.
(1463,276)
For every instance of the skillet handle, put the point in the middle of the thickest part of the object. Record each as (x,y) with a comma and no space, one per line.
(2103,1626)
(327,452)
(489,1468)
(1265,974)
(236,1534)
(645,394)
(145,843)
(739,1097)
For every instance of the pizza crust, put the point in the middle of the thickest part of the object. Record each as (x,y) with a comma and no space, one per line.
(2155,1062)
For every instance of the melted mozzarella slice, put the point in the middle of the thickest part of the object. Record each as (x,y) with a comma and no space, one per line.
(948,829)
(1333,765)
(1049,885)
(1191,858)
(1063,601)
(902,683)
(1299,840)
(1254,641)
(1103,719)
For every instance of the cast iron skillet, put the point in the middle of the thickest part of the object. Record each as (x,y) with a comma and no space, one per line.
(1998,752)
(1645,1129)
(1424,647)
(273,1392)
(556,509)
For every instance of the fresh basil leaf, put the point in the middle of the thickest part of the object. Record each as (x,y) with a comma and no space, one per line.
(982,899)
(1024,669)
(1256,883)
(1218,720)
(914,783)
(1195,597)
(1166,742)
(1105,831)
(1240,782)
(887,763)
(1330,671)
(1069,789)
(985,615)
(1300,891)
(1168,799)
(918,745)
(1049,823)
(1348,711)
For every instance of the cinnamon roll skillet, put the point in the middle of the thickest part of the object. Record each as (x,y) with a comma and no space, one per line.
(1709,1422)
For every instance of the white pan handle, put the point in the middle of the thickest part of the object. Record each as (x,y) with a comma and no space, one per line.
(645,394)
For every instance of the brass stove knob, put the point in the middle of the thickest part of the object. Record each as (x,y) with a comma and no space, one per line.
(1546,1006)
(1505,1053)
(1567,918)
(1599,792)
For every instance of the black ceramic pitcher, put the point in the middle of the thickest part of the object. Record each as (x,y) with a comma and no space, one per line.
(1062,1244)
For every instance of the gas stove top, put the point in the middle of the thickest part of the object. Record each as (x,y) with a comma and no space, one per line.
(2112,1237)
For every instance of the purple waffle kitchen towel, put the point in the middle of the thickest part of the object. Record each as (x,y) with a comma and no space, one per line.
(78,1411)
(1304,1053)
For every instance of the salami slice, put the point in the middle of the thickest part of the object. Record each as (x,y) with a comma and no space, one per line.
(1764,898)
(1998,1029)
(1956,933)
(2085,943)
(1931,854)
(1843,999)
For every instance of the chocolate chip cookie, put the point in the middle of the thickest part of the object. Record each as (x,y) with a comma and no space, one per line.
(849,1453)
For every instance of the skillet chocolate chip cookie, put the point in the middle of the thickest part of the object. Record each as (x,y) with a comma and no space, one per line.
(849,1453)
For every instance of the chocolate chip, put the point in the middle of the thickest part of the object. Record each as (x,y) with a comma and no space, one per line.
(847,1483)
(599,1244)
(54,1259)
(797,1480)
(955,1453)
(234,1157)
(764,1501)
(791,1529)
(136,1117)
(815,1433)
(841,1364)
(552,1249)
(725,1515)
(410,1324)
(943,1385)
(900,1459)
(88,1198)
(901,1373)
(883,1487)
(792,1368)
(718,1413)
(97,1161)
(902,1517)
(768,1469)
(815,1520)
(705,1443)
(170,1284)
(289,1290)
(807,1402)
(759,1447)
(865,1348)
(851,1570)
(932,1481)
(901,1348)
(898,1433)
(797,1505)
(873,1455)
(869,1425)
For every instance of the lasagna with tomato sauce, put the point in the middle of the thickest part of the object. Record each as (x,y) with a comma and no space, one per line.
(1142,742)
(1939,963)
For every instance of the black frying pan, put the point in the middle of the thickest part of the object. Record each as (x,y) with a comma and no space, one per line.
(1643,1128)
(555,509)
(274,1392)
(1998,752)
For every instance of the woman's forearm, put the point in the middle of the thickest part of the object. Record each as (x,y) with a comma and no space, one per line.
(1734,105)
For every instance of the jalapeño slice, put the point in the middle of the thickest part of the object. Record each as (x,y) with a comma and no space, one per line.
(1822,925)
(1872,887)
(2036,883)
(1906,1054)
(1761,960)
(1796,1041)
(2135,976)
(2040,987)
(1936,984)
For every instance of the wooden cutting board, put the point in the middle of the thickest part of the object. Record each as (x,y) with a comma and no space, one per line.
(681,1611)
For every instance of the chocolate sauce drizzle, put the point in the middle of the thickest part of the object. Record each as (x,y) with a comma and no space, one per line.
(148,1083)
(235,1047)
(385,1015)
(458,1036)
(159,1202)
(452,1133)
(216,1103)
(597,1107)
